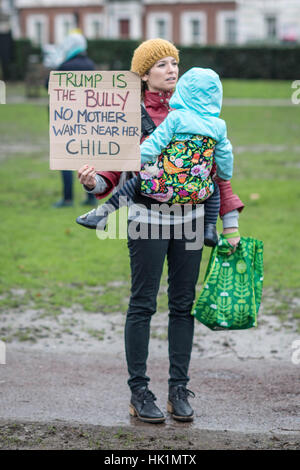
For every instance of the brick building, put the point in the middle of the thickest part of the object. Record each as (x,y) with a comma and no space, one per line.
(184,22)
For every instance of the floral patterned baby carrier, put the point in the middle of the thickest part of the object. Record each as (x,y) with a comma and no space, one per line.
(182,172)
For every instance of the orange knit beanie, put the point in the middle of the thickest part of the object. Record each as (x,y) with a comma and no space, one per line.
(151,51)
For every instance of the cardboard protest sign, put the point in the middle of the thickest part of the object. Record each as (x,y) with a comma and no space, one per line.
(95,119)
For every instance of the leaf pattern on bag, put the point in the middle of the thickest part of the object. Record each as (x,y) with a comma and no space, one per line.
(231,296)
(225,279)
(242,290)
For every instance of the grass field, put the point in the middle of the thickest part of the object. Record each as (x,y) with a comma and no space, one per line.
(54,263)
(280,89)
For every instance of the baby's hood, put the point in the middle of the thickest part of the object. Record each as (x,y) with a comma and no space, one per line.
(200,90)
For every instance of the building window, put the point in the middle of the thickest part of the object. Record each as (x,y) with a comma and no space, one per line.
(93,25)
(161,28)
(159,25)
(37,29)
(193,28)
(7,6)
(196,31)
(271,27)
(124,27)
(96,29)
(38,33)
(63,24)
(227,27)
(230,30)
(67,26)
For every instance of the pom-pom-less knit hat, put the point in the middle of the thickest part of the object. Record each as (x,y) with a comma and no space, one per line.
(151,51)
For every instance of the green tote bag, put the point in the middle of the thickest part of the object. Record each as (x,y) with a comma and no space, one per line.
(232,289)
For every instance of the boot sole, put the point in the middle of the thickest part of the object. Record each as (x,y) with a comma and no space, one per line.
(85,225)
(170,409)
(210,243)
(134,412)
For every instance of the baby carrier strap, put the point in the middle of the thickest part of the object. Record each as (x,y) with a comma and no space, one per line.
(148,125)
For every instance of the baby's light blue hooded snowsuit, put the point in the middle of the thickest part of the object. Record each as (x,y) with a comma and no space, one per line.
(196,105)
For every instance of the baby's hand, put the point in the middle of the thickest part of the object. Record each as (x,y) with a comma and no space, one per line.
(152,170)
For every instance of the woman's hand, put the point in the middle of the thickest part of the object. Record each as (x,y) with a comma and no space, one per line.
(233,241)
(87,176)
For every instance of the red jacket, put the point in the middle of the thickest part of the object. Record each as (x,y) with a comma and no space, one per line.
(157,106)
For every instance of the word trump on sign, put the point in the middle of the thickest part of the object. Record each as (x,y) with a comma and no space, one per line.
(95,119)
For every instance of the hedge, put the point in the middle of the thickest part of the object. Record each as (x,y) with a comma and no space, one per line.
(21,50)
(265,62)
(112,54)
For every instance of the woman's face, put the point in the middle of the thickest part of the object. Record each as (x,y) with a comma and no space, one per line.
(163,75)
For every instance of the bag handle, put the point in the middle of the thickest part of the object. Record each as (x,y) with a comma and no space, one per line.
(225,247)
(231,235)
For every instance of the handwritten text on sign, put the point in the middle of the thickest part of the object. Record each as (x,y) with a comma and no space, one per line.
(95,119)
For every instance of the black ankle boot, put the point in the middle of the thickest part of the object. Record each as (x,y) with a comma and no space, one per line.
(210,235)
(178,404)
(92,220)
(142,405)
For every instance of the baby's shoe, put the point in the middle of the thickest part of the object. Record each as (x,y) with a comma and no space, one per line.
(210,235)
(92,220)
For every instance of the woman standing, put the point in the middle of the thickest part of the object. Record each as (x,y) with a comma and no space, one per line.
(156,62)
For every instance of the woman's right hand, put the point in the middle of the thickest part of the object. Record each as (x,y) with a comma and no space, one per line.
(87,176)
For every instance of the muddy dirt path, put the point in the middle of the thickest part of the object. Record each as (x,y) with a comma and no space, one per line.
(65,387)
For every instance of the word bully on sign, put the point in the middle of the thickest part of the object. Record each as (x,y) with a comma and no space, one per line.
(79,100)
(94,98)
(105,99)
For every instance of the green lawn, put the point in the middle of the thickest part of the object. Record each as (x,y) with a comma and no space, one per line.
(270,89)
(59,263)
(267,89)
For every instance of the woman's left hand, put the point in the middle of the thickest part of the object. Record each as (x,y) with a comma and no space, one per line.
(233,241)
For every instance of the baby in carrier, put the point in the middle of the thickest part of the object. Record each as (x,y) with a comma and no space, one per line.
(179,157)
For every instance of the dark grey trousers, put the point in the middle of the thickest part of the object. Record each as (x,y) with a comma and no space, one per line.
(147,258)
